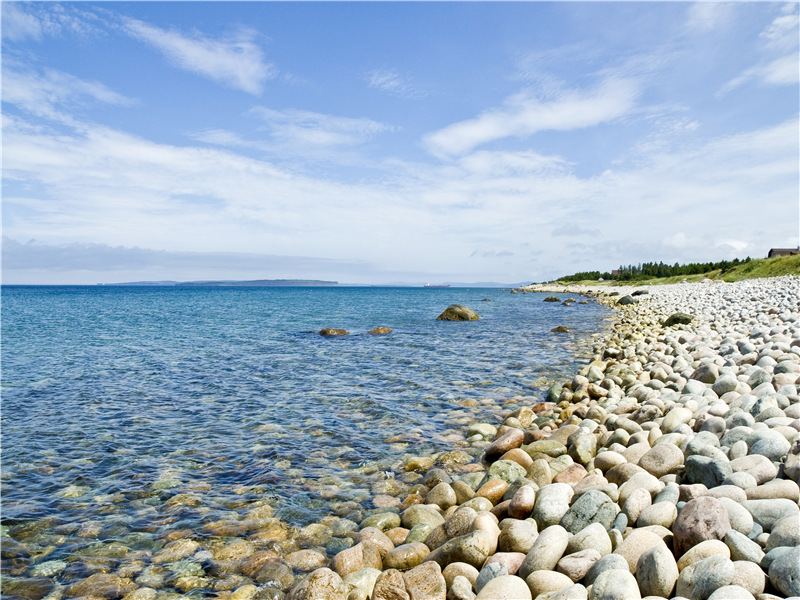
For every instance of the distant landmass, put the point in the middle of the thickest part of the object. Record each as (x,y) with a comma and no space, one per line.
(250,283)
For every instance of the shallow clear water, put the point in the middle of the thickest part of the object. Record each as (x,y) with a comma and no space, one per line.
(114,400)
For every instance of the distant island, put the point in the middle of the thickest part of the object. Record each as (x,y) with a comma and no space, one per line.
(250,283)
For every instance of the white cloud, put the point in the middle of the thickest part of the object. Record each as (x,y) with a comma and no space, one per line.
(237,62)
(392,82)
(48,92)
(780,61)
(311,129)
(522,116)
(706,16)
(35,20)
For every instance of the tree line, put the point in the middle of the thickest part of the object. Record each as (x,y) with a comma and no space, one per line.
(650,270)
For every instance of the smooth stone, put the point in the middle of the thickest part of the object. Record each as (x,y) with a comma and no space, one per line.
(592,507)
(784,572)
(760,467)
(731,592)
(322,584)
(610,562)
(573,592)
(406,556)
(671,493)
(733,492)
(472,549)
(460,589)
(419,533)
(512,560)
(360,584)
(544,581)
(702,551)
(506,470)
(701,519)
(390,585)
(443,495)
(552,503)
(383,521)
(785,532)
(749,576)
(777,488)
(510,440)
(506,587)
(768,512)
(638,481)
(636,502)
(636,543)
(738,516)
(700,579)
(608,460)
(425,582)
(662,513)
(742,547)
(489,572)
(657,572)
(576,565)
(661,460)
(546,551)
(741,480)
(307,560)
(522,503)
(705,470)
(355,558)
(418,513)
(615,585)
(456,569)
(518,536)
(594,537)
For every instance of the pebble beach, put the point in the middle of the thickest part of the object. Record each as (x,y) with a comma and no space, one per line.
(667,468)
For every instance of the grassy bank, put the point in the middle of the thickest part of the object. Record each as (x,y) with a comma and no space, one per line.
(755,269)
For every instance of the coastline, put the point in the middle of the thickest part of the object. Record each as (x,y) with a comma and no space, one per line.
(668,468)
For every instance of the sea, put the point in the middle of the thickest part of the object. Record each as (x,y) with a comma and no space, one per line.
(132,412)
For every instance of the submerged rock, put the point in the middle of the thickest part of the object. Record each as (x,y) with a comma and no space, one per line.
(458,312)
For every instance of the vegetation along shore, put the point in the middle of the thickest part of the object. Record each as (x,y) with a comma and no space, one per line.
(668,468)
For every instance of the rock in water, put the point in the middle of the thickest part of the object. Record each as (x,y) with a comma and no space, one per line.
(457,312)
(328,332)
(560,329)
(380,331)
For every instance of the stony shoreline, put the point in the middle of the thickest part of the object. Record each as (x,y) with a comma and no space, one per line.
(668,468)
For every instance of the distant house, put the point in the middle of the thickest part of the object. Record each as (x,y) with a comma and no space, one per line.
(782,252)
(615,273)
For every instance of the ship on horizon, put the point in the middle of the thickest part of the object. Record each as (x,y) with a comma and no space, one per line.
(443,285)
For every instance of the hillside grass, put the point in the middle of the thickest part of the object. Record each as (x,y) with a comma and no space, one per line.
(755,269)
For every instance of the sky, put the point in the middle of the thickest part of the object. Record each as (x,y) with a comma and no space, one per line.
(383,142)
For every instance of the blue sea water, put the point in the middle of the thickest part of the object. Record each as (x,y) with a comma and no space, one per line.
(115,399)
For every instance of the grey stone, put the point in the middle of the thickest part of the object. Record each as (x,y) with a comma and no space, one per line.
(615,585)
(768,512)
(709,472)
(517,536)
(731,592)
(699,580)
(742,547)
(488,572)
(546,551)
(784,572)
(785,532)
(657,572)
(552,503)
(592,507)
(610,562)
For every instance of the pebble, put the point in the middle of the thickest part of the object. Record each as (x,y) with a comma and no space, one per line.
(667,468)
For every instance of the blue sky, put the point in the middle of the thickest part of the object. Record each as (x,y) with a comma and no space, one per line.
(375,142)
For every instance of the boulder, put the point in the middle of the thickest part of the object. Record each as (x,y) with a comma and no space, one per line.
(704,518)
(329,332)
(457,312)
